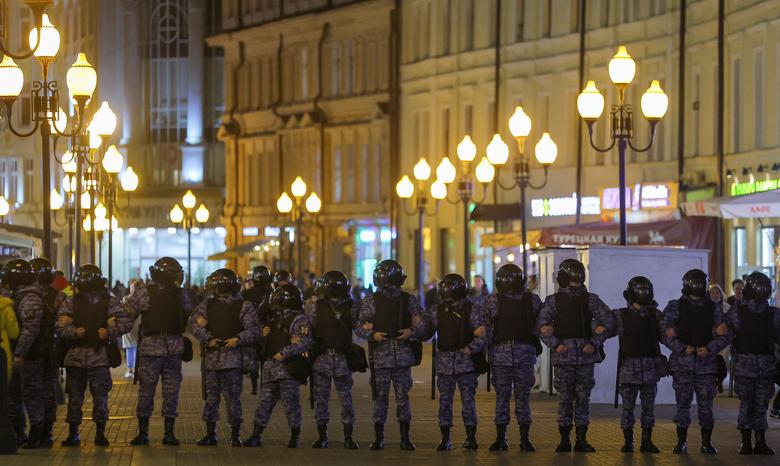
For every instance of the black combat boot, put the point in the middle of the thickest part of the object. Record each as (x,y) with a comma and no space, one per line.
(406,444)
(761,447)
(565,445)
(746,448)
(525,441)
(471,439)
(34,437)
(100,434)
(379,437)
(73,439)
(581,443)
(47,440)
(706,442)
(647,445)
(682,441)
(628,441)
(295,438)
(256,439)
(322,441)
(169,437)
(210,439)
(253,379)
(349,444)
(446,443)
(235,435)
(500,444)
(143,432)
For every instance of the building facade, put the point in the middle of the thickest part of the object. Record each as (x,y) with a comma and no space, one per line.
(307,94)
(448,83)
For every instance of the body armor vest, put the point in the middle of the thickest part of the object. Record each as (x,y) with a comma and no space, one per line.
(756,331)
(515,319)
(640,334)
(694,326)
(164,315)
(573,316)
(388,312)
(333,325)
(91,316)
(224,320)
(453,327)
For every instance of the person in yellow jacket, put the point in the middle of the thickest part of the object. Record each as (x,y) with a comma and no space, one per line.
(9,330)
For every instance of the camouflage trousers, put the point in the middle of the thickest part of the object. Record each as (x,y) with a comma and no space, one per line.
(29,386)
(467,384)
(646,394)
(150,370)
(401,378)
(16,402)
(227,383)
(754,396)
(288,391)
(573,384)
(322,383)
(51,376)
(99,381)
(507,379)
(703,386)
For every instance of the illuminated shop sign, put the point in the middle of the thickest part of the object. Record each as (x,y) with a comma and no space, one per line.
(250,231)
(565,206)
(739,189)
(646,196)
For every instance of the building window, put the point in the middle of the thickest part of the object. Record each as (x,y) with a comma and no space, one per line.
(736,118)
(696,114)
(546,21)
(29,177)
(445,133)
(519,20)
(468,28)
(304,73)
(350,174)
(335,82)
(468,119)
(349,87)
(740,248)
(365,192)
(445,27)
(336,163)
(758,100)
(766,247)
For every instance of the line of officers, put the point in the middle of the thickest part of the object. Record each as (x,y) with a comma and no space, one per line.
(297,341)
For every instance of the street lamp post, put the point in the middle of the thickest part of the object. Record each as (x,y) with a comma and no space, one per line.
(546,152)
(590,104)
(405,190)
(286,205)
(81,79)
(484,173)
(187,218)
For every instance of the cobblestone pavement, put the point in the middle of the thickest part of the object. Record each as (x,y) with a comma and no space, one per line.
(604,434)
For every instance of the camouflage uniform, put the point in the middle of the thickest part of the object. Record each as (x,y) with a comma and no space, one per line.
(692,374)
(754,367)
(330,363)
(28,387)
(159,356)
(223,365)
(512,360)
(638,374)
(392,358)
(86,361)
(454,366)
(574,368)
(53,299)
(277,382)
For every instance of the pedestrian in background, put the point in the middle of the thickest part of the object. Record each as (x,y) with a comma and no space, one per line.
(736,285)
(130,339)
(479,292)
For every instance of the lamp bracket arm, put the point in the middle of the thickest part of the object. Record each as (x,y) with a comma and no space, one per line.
(484,195)
(653,125)
(543,184)
(593,143)
(23,55)
(9,104)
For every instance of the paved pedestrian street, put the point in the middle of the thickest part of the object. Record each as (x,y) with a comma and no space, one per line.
(604,434)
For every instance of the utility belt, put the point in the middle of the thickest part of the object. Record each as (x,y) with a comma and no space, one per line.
(162,334)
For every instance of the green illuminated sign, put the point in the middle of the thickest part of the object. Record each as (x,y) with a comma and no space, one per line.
(739,189)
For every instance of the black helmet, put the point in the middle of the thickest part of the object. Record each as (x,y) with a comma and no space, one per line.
(223,282)
(510,279)
(18,273)
(757,287)
(452,288)
(167,271)
(570,270)
(261,276)
(286,297)
(282,277)
(695,283)
(88,278)
(389,274)
(44,272)
(333,284)
(639,290)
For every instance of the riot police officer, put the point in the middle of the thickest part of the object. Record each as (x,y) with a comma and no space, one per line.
(513,311)
(224,323)
(756,327)
(392,321)
(695,331)
(163,307)
(574,324)
(332,314)
(257,290)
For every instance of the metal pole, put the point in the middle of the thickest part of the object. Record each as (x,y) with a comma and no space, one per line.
(92,225)
(466,241)
(299,244)
(70,239)
(77,212)
(622,143)
(189,252)
(110,230)
(523,226)
(45,183)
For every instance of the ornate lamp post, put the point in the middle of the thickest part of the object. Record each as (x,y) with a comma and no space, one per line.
(81,79)
(590,104)
(187,218)
(546,152)
(484,174)
(286,205)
